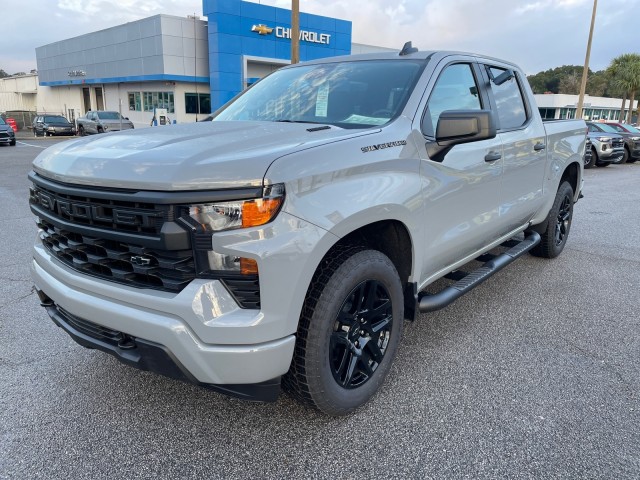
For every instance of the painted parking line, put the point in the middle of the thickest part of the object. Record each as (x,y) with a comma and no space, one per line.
(30,145)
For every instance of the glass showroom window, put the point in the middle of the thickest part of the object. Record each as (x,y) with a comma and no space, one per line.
(135,101)
(191,102)
(158,100)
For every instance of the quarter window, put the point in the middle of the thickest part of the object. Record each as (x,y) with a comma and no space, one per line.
(509,101)
(456,89)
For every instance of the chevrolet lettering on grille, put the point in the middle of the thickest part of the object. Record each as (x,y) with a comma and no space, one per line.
(85,211)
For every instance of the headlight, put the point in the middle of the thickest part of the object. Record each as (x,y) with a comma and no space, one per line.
(635,139)
(216,217)
(206,219)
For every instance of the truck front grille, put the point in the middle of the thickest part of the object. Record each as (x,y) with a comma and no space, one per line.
(120,262)
(618,143)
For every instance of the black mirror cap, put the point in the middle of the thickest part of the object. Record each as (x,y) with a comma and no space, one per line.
(460,126)
(464,126)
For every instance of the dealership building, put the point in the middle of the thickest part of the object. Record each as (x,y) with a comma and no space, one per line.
(186,65)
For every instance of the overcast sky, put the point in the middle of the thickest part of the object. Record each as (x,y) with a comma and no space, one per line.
(535,34)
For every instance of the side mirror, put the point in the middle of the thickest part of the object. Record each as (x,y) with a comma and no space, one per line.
(126,118)
(460,126)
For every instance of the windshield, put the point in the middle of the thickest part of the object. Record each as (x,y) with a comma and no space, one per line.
(606,128)
(349,95)
(57,119)
(109,116)
(626,128)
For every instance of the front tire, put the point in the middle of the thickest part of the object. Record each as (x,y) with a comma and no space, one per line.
(591,162)
(349,330)
(81,131)
(555,236)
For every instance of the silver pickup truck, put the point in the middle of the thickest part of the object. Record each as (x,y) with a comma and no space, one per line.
(102,122)
(285,243)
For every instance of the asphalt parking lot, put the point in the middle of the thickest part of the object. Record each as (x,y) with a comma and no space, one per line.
(534,374)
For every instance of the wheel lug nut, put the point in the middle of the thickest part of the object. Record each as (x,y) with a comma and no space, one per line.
(361,332)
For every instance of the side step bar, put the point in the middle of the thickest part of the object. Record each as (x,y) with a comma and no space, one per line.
(436,301)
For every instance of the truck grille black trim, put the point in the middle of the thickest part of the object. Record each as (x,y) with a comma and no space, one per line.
(134,265)
(617,143)
(114,215)
(93,330)
(244,289)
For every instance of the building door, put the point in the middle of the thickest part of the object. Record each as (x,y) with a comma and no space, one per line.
(86,97)
(99,99)
(71,115)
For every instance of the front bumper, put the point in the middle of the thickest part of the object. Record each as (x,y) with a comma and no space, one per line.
(145,355)
(130,312)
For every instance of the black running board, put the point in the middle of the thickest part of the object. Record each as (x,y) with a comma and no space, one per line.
(436,301)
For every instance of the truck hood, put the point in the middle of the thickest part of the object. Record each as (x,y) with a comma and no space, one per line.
(200,156)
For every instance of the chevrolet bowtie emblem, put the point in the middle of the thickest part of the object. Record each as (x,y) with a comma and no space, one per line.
(261,29)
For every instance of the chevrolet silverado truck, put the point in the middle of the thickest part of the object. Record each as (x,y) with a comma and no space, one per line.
(285,242)
(102,122)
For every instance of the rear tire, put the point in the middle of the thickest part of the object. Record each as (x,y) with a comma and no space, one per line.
(554,237)
(625,156)
(349,330)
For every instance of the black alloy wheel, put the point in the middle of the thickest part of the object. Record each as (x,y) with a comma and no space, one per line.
(564,220)
(361,334)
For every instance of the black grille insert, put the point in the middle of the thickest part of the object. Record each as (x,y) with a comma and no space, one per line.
(134,265)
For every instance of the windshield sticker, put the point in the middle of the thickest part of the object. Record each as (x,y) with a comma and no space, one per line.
(321,100)
(381,146)
(361,119)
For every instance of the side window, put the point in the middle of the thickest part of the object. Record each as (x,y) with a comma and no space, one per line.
(511,110)
(592,128)
(456,89)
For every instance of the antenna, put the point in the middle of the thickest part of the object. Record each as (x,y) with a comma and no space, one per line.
(407,49)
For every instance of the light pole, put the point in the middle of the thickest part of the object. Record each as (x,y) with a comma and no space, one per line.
(195,61)
(585,71)
(295,31)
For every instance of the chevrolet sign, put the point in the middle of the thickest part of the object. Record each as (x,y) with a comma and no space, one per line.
(284,32)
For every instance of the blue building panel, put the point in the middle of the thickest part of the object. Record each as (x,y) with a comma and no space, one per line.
(221,6)
(227,62)
(224,43)
(255,10)
(231,38)
(257,47)
(225,23)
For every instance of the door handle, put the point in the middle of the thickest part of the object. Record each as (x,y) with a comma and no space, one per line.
(539,146)
(492,156)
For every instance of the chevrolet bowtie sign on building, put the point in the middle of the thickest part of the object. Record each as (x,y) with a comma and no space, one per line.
(284,32)
(248,40)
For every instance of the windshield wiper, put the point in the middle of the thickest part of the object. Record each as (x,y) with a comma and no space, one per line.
(286,120)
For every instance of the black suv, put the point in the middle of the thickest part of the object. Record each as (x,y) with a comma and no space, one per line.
(52,125)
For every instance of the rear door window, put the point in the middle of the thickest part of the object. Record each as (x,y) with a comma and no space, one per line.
(512,112)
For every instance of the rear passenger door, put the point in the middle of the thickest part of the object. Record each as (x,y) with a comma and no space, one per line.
(524,150)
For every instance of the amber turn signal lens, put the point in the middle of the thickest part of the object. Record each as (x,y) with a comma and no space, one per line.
(260,211)
(248,266)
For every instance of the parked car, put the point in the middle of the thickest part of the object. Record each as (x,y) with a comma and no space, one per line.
(50,125)
(287,240)
(7,135)
(632,140)
(102,121)
(607,147)
(12,123)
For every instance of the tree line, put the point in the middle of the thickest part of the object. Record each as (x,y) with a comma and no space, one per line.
(621,79)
